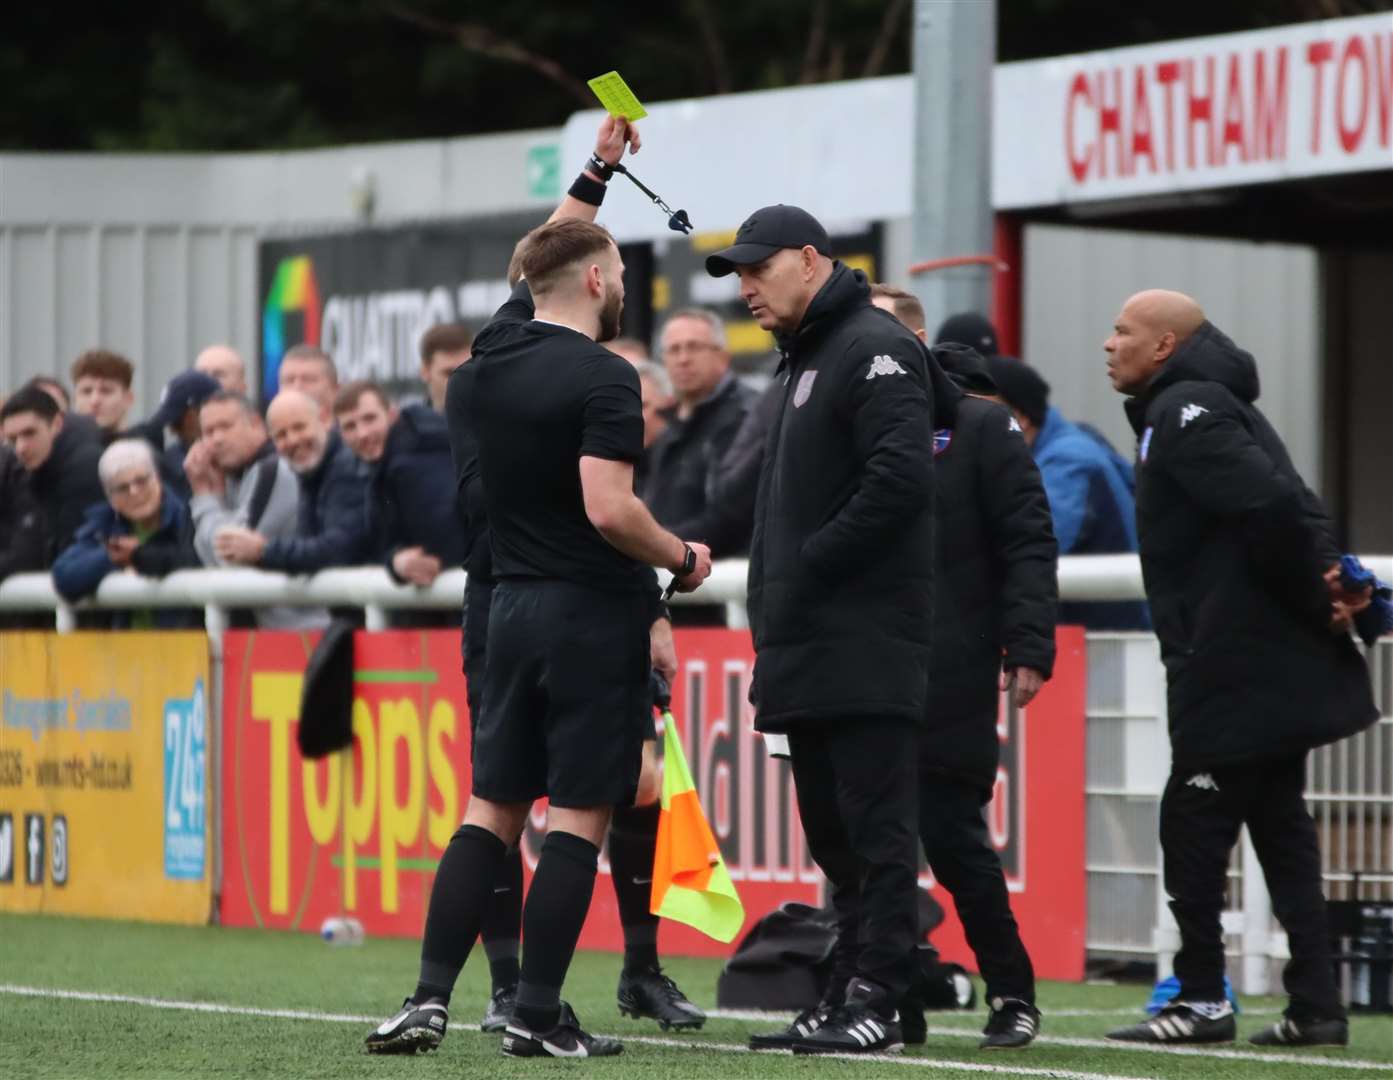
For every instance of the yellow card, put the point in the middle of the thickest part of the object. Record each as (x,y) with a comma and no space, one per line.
(616,97)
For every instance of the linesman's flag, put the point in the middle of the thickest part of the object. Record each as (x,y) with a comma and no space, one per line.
(690,881)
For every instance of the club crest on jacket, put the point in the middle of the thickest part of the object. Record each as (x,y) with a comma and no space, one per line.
(804,389)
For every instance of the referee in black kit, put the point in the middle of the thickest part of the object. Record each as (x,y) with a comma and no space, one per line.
(559,427)
(841,593)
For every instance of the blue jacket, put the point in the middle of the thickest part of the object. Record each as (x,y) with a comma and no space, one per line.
(332,523)
(1094,511)
(411,501)
(82,565)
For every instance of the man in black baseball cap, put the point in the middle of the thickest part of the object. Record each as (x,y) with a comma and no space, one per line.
(766,231)
(840,597)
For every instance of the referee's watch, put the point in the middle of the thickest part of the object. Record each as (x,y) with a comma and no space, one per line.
(689,561)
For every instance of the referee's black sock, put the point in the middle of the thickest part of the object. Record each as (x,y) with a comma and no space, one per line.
(503,922)
(462,891)
(633,837)
(555,911)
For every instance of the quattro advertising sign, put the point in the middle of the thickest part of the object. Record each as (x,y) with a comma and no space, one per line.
(366,296)
(361,832)
(1295,101)
(104,775)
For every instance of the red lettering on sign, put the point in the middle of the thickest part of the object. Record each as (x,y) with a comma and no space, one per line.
(1383,84)
(1141,122)
(1233,113)
(1352,134)
(1268,133)
(1078,163)
(1110,122)
(1199,110)
(1168,74)
(1318,54)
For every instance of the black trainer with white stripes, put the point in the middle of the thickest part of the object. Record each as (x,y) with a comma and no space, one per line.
(804,1024)
(1183,1022)
(414,1028)
(564,1040)
(1013,1024)
(856,1027)
(1292,1032)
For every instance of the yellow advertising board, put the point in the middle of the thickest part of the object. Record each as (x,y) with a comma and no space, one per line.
(104,775)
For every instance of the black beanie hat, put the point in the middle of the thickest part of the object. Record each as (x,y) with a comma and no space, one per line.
(970,329)
(1021,386)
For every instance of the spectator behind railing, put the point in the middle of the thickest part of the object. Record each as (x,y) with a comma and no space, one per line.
(413,520)
(655,393)
(144,529)
(310,370)
(225,364)
(239,480)
(331,518)
(59,452)
(683,465)
(21,522)
(443,348)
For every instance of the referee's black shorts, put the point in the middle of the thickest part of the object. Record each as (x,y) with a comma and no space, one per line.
(566,703)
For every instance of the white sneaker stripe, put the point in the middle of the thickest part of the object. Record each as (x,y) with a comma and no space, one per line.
(855,1034)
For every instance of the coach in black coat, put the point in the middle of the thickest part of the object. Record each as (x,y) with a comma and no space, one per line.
(1233,549)
(841,580)
(997,590)
(1260,667)
(841,591)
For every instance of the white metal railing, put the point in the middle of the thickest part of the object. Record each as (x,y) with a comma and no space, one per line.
(1126,693)
(1081,577)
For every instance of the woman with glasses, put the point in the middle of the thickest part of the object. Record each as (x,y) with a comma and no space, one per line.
(140,529)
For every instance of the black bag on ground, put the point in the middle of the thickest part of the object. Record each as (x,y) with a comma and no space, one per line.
(326,698)
(785,962)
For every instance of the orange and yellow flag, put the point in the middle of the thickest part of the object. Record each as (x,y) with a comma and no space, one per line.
(690,881)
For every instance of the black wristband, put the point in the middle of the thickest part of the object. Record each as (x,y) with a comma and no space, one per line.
(600,167)
(587,190)
(689,561)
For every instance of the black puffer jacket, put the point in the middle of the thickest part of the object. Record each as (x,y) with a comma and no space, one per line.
(406,498)
(67,484)
(841,567)
(1233,546)
(996,593)
(331,527)
(683,471)
(22,534)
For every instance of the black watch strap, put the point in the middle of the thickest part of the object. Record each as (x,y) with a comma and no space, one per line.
(689,561)
(600,167)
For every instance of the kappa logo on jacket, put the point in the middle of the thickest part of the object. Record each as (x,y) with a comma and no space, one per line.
(1204,781)
(1015,425)
(804,390)
(1191,412)
(885,365)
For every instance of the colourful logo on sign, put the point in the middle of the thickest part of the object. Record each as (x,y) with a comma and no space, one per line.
(290,317)
(185,788)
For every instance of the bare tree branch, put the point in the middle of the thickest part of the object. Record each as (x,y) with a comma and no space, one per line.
(484,41)
(890,24)
(700,12)
(817,36)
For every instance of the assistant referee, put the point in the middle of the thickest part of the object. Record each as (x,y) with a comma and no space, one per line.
(559,427)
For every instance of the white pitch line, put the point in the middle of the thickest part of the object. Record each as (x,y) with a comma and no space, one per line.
(647,1040)
(954,1014)
(950,1066)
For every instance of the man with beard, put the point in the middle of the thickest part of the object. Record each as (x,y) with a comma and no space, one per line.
(559,426)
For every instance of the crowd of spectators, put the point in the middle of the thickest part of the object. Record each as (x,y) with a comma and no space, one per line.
(346,475)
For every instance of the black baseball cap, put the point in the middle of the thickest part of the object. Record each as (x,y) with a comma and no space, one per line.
(970,329)
(766,231)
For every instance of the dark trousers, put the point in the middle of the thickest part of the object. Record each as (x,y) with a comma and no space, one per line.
(856,796)
(961,856)
(1201,813)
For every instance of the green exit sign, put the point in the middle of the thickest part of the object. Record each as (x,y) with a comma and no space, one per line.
(544,171)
